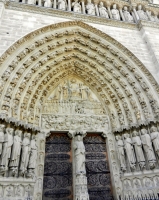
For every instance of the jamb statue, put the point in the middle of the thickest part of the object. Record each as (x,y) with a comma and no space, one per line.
(136,141)
(76,6)
(147,145)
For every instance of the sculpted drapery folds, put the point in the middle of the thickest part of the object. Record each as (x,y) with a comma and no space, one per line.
(115,12)
(79,150)
(25,153)
(136,141)
(121,155)
(147,145)
(16,150)
(33,154)
(90,8)
(76,6)
(155,139)
(103,11)
(2,128)
(129,151)
(7,145)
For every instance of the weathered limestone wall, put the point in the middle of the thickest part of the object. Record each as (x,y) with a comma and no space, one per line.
(143,43)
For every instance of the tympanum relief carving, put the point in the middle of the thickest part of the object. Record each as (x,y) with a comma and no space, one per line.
(72,104)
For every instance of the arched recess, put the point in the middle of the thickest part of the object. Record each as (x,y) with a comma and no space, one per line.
(33,66)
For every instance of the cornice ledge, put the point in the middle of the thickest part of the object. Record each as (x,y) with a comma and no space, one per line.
(151,24)
(69,15)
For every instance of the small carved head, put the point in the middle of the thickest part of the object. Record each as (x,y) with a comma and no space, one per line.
(2,127)
(101,4)
(135,133)
(143,131)
(114,6)
(153,129)
(18,132)
(125,8)
(10,130)
(139,7)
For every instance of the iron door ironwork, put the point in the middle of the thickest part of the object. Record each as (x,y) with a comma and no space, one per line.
(97,168)
(58,168)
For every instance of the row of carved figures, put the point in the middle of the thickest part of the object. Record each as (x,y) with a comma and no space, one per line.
(18,152)
(112,12)
(140,148)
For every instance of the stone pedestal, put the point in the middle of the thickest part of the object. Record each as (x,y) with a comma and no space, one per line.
(81,187)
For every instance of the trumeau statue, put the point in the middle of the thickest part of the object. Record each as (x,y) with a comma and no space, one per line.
(129,151)
(121,156)
(7,146)
(76,6)
(90,8)
(62,4)
(2,129)
(115,12)
(103,11)
(25,153)
(127,15)
(142,15)
(79,152)
(16,150)
(136,141)
(155,139)
(48,3)
(147,145)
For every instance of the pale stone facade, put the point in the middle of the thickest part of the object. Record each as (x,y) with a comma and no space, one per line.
(79,69)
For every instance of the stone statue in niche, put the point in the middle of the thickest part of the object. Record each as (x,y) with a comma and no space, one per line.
(48,3)
(7,146)
(62,4)
(25,153)
(115,13)
(14,161)
(33,156)
(76,6)
(103,11)
(142,15)
(2,129)
(147,145)
(127,15)
(155,139)
(136,141)
(90,8)
(121,155)
(79,150)
(129,151)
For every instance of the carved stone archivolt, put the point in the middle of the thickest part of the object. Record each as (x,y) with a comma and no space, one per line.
(75,49)
(71,76)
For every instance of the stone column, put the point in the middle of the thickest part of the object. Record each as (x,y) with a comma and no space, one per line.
(69,5)
(79,170)
(135,13)
(39,3)
(83,8)
(109,12)
(54,4)
(96,7)
(121,14)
